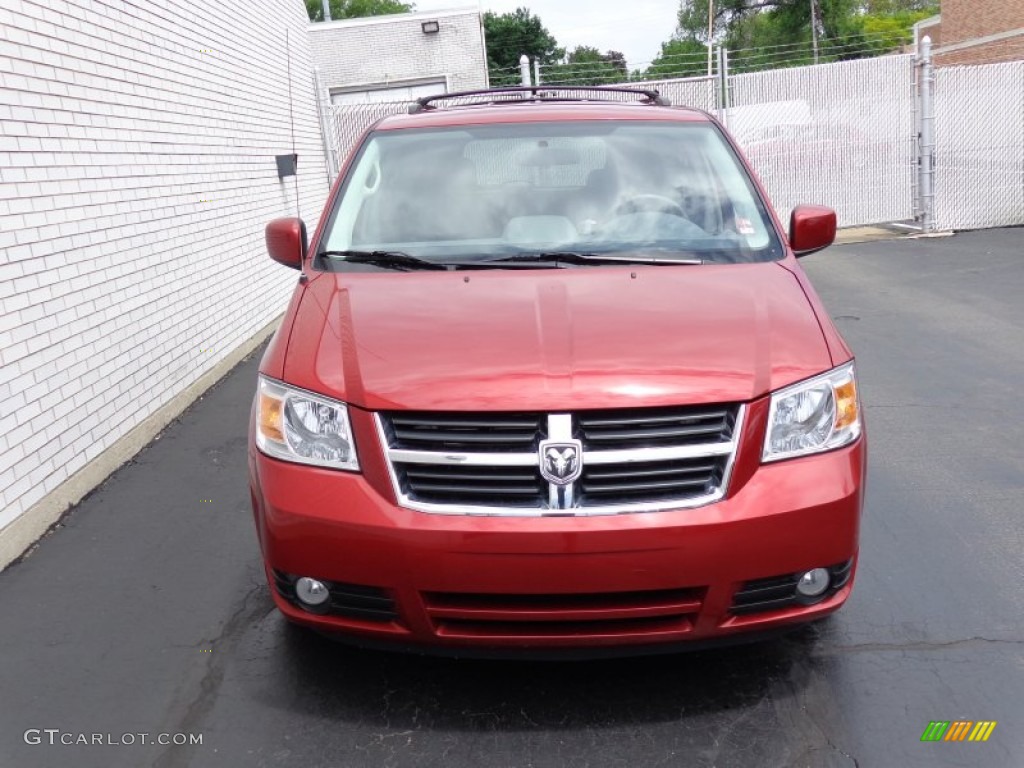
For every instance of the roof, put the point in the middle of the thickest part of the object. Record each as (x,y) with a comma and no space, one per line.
(391,18)
(533,112)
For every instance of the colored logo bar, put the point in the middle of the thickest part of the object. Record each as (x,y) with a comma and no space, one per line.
(958,730)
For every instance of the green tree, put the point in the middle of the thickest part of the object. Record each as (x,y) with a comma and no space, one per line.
(618,60)
(884,32)
(765,34)
(509,36)
(679,57)
(693,19)
(894,7)
(587,66)
(352,9)
(789,17)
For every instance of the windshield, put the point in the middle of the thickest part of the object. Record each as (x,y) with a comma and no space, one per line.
(478,193)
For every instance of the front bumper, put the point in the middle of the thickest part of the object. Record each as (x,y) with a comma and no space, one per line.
(659,579)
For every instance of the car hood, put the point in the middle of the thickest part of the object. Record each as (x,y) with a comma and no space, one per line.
(588,337)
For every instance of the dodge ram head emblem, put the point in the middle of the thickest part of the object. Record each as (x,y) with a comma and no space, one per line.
(561,462)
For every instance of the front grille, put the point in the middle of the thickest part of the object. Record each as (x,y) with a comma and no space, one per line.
(448,484)
(652,613)
(773,593)
(349,600)
(632,460)
(651,481)
(484,432)
(647,428)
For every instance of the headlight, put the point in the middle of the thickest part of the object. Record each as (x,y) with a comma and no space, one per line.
(298,426)
(813,416)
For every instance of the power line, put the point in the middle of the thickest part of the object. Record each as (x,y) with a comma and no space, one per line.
(519,44)
(583,76)
(780,56)
(849,43)
(854,36)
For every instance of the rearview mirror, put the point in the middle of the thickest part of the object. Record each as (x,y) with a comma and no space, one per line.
(811,228)
(545,157)
(286,241)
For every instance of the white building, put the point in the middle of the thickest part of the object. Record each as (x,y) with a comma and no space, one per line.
(137,172)
(400,57)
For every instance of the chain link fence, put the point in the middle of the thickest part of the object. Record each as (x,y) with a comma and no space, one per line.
(979,146)
(842,134)
(699,92)
(346,124)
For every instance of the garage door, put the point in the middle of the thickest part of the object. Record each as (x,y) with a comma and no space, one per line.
(390,92)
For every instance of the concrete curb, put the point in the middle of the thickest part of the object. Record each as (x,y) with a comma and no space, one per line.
(18,536)
(851,235)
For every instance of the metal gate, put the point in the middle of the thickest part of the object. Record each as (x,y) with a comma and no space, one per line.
(979,146)
(839,134)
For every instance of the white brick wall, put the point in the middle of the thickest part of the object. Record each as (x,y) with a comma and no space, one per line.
(137,172)
(372,51)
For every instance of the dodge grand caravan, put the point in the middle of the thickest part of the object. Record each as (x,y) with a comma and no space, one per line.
(552,380)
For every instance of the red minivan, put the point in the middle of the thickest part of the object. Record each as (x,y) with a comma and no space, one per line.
(552,379)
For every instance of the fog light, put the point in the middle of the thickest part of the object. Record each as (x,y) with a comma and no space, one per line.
(813,583)
(312,592)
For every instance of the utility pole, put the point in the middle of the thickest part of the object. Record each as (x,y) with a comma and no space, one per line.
(711,32)
(814,28)
(327,10)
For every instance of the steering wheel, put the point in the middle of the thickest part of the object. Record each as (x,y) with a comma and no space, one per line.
(650,204)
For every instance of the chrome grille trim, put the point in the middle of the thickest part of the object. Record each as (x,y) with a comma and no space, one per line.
(402,456)
(715,450)
(660,454)
(560,497)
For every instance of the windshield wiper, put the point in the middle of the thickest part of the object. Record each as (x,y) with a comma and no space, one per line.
(387,259)
(408,262)
(583,257)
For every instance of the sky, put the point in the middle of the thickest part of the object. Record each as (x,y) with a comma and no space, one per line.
(637,28)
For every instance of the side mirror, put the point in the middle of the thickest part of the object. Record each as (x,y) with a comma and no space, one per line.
(286,241)
(811,228)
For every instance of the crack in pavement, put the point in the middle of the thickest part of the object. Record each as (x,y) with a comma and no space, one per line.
(740,717)
(912,646)
(202,702)
(800,701)
(832,745)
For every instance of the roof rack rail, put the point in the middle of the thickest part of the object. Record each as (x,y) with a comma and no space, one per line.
(539,93)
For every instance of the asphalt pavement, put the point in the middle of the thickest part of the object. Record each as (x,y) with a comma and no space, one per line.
(146,612)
